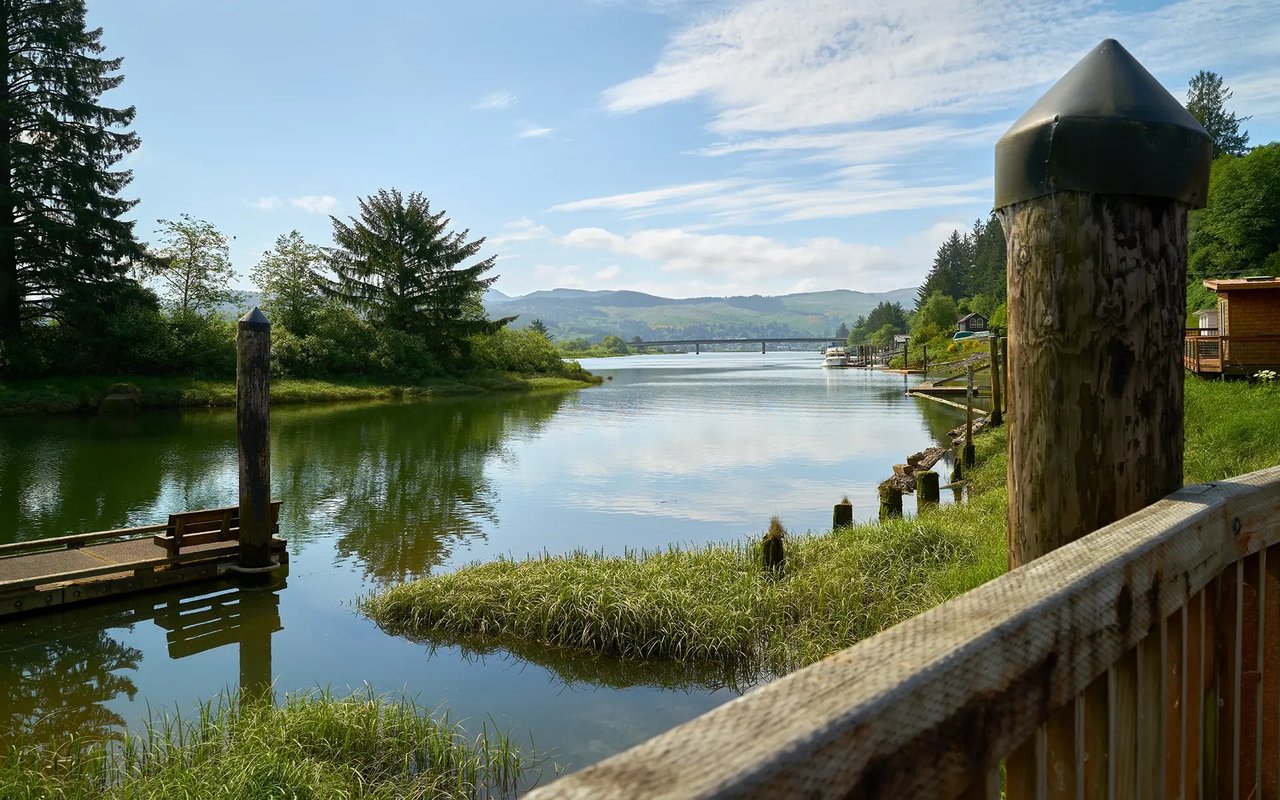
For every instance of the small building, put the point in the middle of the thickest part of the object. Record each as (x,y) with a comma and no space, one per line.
(1240,337)
(972,322)
(901,339)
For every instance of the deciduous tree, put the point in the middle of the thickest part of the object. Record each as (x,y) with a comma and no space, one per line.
(193,264)
(289,276)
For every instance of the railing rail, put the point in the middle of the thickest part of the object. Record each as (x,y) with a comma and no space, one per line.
(1142,660)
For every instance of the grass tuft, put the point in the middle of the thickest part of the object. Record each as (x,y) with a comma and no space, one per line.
(313,745)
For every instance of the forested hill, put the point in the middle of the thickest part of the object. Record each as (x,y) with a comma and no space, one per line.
(573,313)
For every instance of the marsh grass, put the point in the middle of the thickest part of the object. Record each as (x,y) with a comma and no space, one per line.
(712,603)
(313,745)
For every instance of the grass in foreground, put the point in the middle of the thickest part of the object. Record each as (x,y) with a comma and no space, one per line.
(312,746)
(712,603)
(82,395)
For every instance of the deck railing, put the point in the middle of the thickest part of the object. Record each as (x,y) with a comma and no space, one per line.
(1140,661)
(1204,350)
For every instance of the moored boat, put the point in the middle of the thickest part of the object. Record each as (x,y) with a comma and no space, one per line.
(835,357)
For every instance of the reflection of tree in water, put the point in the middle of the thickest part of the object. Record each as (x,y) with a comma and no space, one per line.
(61,686)
(402,483)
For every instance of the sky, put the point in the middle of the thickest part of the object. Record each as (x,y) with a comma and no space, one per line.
(678,147)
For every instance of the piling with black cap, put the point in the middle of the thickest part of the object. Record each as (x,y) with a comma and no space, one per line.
(1093,185)
(253,438)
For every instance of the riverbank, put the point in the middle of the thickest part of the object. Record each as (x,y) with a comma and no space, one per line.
(311,745)
(84,395)
(715,603)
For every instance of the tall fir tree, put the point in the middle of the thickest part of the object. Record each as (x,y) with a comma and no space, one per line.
(1206,100)
(60,226)
(402,265)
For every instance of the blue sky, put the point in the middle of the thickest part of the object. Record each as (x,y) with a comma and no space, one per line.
(680,148)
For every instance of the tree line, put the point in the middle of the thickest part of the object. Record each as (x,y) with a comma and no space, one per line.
(396,294)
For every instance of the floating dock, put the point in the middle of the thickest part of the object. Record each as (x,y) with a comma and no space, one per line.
(192,546)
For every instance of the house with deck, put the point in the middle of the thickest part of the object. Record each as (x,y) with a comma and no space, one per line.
(1241,336)
(972,322)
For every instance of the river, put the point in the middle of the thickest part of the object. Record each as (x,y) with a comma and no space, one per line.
(670,449)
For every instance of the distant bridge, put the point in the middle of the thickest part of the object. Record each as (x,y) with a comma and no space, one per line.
(697,343)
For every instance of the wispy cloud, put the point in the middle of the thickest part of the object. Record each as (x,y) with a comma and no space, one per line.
(266,203)
(495,101)
(522,230)
(316,204)
(534,132)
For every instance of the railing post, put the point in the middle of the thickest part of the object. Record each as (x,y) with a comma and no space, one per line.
(1092,186)
(253,438)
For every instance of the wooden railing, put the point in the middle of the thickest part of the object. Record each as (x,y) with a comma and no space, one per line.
(1204,350)
(1140,661)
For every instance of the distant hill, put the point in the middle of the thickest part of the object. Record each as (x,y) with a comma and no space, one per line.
(570,313)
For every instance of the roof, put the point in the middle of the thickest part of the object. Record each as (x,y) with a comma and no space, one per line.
(1232,284)
(970,316)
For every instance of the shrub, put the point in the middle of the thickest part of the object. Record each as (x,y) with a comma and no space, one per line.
(517,351)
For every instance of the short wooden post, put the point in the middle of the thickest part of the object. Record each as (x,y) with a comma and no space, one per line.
(928,488)
(996,417)
(762,348)
(253,438)
(842,515)
(924,356)
(957,465)
(1092,187)
(969,456)
(890,501)
(773,555)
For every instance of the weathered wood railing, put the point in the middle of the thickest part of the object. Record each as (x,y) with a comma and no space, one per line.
(1207,351)
(1140,661)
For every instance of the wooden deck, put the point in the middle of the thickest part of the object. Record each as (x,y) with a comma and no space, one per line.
(192,546)
(1204,352)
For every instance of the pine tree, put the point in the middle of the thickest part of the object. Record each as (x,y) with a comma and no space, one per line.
(400,264)
(60,226)
(1206,100)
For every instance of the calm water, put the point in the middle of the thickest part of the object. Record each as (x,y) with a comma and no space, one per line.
(673,449)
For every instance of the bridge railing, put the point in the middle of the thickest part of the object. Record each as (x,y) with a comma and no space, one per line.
(1142,660)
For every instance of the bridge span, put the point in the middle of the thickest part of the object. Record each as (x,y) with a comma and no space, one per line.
(697,343)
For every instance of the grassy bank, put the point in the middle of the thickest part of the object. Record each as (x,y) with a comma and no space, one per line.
(712,604)
(311,746)
(82,395)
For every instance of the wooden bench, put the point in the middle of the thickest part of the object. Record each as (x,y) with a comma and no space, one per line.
(205,526)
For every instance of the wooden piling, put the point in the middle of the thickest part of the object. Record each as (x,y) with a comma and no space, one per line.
(996,417)
(890,502)
(924,356)
(773,555)
(1004,371)
(1093,185)
(928,490)
(842,515)
(253,438)
(969,457)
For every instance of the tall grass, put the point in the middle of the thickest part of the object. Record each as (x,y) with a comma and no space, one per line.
(713,604)
(311,746)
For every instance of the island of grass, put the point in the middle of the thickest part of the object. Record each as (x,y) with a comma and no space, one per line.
(714,605)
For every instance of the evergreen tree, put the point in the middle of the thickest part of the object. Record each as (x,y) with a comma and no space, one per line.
(401,265)
(60,226)
(1206,100)
(842,332)
(540,327)
(289,277)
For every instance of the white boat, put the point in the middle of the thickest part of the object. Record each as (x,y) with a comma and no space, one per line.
(835,357)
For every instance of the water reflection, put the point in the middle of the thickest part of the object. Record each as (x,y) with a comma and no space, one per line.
(63,676)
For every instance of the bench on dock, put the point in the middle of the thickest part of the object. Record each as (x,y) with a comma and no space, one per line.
(209,525)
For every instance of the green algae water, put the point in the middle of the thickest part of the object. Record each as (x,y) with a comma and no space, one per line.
(671,450)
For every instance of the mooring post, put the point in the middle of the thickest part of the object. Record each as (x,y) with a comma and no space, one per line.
(927,488)
(996,417)
(890,501)
(697,349)
(842,515)
(924,355)
(1092,187)
(969,457)
(762,348)
(253,438)
(1004,370)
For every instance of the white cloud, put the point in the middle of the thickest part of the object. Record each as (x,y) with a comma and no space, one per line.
(758,263)
(495,101)
(534,132)
(609,273)
(788,65)
(650,197)
(315,204)
(266,203)
(555,276)
(522,230)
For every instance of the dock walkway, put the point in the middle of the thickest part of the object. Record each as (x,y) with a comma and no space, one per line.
(191,546)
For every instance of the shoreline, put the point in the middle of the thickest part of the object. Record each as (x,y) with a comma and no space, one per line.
(84,395)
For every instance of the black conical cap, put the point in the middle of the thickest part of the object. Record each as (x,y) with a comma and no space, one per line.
(255,320)
(1107,127)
